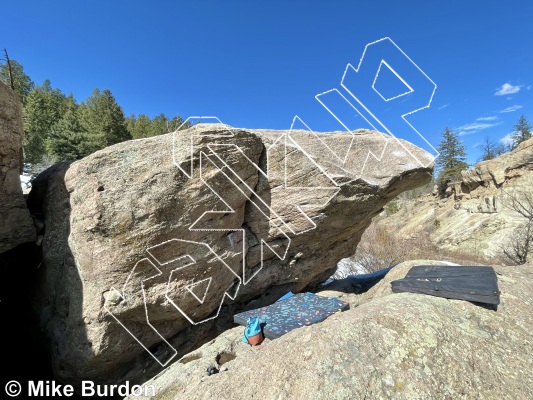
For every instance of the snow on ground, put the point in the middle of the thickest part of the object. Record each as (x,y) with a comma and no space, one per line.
(25,181)
(347,267)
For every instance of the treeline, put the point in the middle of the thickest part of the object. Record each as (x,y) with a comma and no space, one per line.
(58,128)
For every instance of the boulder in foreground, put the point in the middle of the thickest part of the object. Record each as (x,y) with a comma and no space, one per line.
(401,346)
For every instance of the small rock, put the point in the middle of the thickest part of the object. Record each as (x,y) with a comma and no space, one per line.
(112,296)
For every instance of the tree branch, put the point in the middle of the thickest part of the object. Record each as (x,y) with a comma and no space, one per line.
(9,70)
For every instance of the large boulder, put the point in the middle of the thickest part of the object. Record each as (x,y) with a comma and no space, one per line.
(16,225)
(151,245)
(392,346)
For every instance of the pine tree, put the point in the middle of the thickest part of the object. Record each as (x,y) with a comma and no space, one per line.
(143,127)
(522,131)
(22,82)
(44,107)
(160,125)
(452,158)
(68,140)
(103,120)
(130,124)
(178,123)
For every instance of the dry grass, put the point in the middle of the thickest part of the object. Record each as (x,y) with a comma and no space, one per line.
(381,247)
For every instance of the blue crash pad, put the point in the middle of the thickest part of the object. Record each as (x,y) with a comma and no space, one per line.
(299,310)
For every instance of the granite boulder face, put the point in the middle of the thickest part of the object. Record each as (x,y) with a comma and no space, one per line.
(16,225)
(151,245)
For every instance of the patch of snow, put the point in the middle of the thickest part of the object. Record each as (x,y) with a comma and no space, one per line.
(347,267)
(330,280)
(25,181)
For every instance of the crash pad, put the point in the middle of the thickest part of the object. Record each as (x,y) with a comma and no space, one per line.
(299,310)
(472,283)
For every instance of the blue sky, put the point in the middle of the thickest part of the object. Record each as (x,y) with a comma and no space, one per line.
(258,64)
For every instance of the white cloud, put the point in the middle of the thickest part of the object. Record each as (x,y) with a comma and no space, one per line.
(528,87)
(444,106)
(507,140)
(511,109)
(492,118)
(506,89)
(475,127)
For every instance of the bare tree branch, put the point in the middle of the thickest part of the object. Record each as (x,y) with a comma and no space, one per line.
(521,202)
(521,242)
(6,57)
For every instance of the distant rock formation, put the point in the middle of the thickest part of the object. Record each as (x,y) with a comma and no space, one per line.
(499,170)
(474,215)
(387,346)
(16,225)
(130,224)
(479,189)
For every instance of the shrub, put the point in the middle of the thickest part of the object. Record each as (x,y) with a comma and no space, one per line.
(392,207)
(520,244)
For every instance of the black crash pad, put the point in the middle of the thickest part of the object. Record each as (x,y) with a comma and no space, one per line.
(299,310)
(471,283)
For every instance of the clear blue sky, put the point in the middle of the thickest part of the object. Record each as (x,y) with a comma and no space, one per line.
(257,64)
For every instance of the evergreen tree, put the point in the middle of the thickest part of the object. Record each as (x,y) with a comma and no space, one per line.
(522,131)
(103,121)
(44,107)
(22,82)
(143,127)
(160,125)
(452,158)
(178,122)
(67,140)
(130,124)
